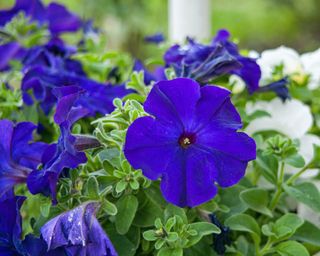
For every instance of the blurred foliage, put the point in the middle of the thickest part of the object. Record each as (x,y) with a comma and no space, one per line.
(257,24)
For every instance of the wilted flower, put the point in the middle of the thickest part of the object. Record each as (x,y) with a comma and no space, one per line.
(10,223)
(220,240)
(206,62)
(78,232)
(278,87)
(18,154)
(191,141)
(63,154)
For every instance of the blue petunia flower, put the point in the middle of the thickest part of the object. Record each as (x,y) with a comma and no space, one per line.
(155,38)
(190,141)
(8,52)
(157,75)
(206,62)
(10,224)
(78,232)
(56,16)
(18,154)
(62,155)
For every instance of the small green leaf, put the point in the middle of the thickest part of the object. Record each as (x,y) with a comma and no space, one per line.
(257,199)
(127,207)
(109,208)
(205,228)
(285,227)
(202,229)
(172,237)
(291,248)
(295,160)
(121,186)
(306,193)
(92,188)
(150,235)
(45,209)
(245,223)
(172,210)
(159,244)
(170,252)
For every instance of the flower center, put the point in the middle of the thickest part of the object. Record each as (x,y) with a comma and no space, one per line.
(186,139)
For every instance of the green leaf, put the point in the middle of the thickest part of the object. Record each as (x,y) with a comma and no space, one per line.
(295,160)
(269,167)
(150,235)
(308,233)
(170,252)
(306,193)
(291,248)
(147,213)
(230,198)
(203,229)
(109,208)
(172,210)
(257,199)
(283,228)
(124,245)
(92,188)
(121,186)
(127,207)
(245,223)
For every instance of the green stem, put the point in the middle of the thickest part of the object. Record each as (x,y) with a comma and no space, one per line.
(276,196)
(297,175)
(266,248)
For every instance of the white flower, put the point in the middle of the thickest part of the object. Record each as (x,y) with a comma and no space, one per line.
(293,119)
(311,63)
(282,55)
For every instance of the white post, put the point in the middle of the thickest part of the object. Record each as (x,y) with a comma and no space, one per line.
(189,18)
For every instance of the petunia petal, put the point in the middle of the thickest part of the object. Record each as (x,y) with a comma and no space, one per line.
(234,144)
(189,178)
(150,145)
(173,101)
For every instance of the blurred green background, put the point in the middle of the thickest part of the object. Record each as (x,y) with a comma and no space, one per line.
(256,24)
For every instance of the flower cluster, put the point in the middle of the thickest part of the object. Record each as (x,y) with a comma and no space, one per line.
(102,154)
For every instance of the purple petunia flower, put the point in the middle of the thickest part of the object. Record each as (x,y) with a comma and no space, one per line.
(155,38)
(190,141)
(54,55)
(78,232)
(8,52)
(11,229)
(63,154)
(149,77)
(18,155)
(206,62)
(10,224)
(250,71)
(97,97)
(56,16)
